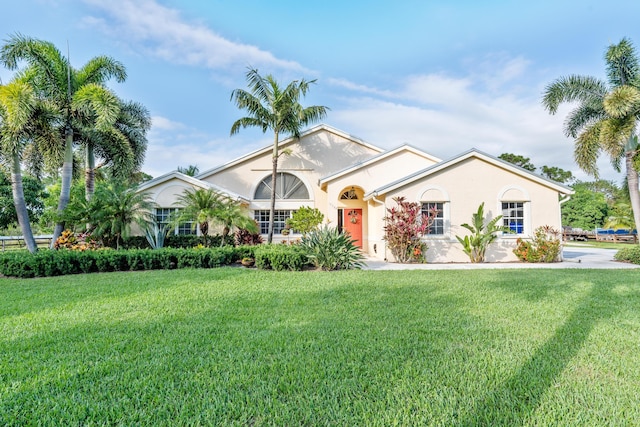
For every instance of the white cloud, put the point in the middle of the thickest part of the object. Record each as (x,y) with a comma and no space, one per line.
(163,123)
(163,33)
(446,116)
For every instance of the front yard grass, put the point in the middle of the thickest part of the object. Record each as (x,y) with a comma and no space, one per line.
(235,346)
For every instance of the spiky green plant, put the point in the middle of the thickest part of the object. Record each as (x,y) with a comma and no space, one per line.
(482,235)
(329,249)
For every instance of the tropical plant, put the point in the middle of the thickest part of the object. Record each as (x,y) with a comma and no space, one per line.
(17,107)
(305,219)
(245,237)
(155,234)
(272,107)
(115,208)
(329,249)
(482,235)
(199,206)
(121,146)
(606,115)
(405,225)
(78,95)
(544,247)
(191,170)
(620,217)
(233,214)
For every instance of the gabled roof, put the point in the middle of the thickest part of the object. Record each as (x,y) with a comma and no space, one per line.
(560,188)
(375,159)
(284,143)
(189,180)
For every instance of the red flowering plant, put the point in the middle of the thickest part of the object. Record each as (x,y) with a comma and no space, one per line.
(544,247)
(405,225)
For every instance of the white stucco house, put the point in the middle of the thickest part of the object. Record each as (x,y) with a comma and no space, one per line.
(353,182)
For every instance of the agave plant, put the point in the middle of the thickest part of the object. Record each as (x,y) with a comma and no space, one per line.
(155,234)
(482,235)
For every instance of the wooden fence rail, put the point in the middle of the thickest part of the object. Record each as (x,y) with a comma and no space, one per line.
(11,242)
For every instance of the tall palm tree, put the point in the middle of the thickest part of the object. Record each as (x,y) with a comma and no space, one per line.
(199,206)
(606,116)
(17,104)
(76,94)
(121,147)
(273,107)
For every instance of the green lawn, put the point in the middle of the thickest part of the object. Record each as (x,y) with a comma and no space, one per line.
(235,346)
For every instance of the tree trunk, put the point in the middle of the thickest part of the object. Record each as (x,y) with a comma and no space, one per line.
(274,175)
(89,172)
(65,190)
(634,192)
(21,206)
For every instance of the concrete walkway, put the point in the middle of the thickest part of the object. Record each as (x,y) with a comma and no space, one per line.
(574,257)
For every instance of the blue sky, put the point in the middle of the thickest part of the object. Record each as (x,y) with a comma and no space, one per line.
(441,75)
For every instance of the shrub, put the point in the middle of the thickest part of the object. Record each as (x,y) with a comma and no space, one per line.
(55,263)
(404,227)
(630,254)
(245,237)
(545,246)
(280,257)
(329,249)
(305,219)
(76,242)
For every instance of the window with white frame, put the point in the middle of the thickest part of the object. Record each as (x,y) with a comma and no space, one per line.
(280,218)
(288,186)
(163,217)
(437,226)
(513,216)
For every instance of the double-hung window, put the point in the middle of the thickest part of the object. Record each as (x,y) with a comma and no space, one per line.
(435,210)
(280,220)
(513,216)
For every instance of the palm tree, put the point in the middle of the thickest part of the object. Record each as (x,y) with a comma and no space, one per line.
(191,170)
(232,214)
(272,107)
(121,147)
(199,206)
(17,104)
(116,207)
(606,116)
(76,93)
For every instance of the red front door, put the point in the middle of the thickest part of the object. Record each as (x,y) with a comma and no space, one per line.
(353,225)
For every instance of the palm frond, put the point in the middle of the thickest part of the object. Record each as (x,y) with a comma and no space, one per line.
(622,101)
(583,89)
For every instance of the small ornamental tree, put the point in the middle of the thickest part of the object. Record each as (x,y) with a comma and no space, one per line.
(305,220)
(405,224)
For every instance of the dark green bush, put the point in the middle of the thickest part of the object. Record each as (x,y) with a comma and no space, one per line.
(55,263)
(173,241)
(280,257)
(630,254)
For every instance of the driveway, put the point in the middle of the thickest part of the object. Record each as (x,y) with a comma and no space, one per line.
(574,257)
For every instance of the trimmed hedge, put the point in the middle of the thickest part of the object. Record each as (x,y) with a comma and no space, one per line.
(280,257)
(173,241)
(630,254)
(60,262)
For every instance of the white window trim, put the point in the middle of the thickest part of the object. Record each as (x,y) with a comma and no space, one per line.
(446,211)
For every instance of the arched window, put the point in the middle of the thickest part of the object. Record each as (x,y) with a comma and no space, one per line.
(287,187)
